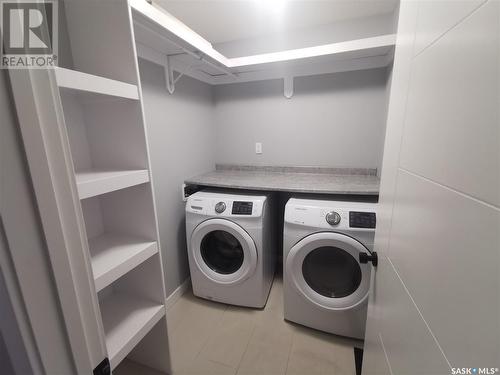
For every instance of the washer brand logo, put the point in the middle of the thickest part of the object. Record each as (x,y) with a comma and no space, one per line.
(474,370)
(29,33)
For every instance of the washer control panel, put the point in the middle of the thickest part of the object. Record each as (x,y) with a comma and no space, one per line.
(226,205)
(242,208)
(362,219)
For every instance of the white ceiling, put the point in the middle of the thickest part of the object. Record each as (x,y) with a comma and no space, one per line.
(228,20)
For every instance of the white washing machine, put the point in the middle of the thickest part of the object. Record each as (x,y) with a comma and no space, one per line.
(325,285)
(230,247)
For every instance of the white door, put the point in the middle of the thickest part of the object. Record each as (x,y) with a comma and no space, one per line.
(223,251)
(434,304)
(324,267)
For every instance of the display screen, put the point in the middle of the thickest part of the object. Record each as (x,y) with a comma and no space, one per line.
(242,208)
(362,219)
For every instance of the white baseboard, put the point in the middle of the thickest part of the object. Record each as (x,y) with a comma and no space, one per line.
(177,293)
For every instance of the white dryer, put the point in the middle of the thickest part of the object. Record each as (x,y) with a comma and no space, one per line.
(230,247)
(325,285)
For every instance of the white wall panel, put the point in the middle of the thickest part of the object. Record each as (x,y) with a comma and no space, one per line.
(410,347)
(445,247)
(452,130)
(437,306)
(436,17)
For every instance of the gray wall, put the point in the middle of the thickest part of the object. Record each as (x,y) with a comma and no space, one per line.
(335,120)
(4,358)
(180,135)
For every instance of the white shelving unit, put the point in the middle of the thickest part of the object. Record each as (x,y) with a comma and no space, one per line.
(92,183)
(100,96)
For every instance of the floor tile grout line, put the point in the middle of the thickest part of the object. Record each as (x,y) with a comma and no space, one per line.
(197,355)
(220,363)
(254,328)
(180,321)
(292,341)
(246,348)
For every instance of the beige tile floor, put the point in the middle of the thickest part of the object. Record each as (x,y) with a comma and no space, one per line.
(216,339)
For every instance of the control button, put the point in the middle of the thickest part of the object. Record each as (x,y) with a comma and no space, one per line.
(332,218)
(220,207)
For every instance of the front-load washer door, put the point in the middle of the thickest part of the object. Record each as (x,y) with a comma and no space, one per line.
(223,251)
(324,267)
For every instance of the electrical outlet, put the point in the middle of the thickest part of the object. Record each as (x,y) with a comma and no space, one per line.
(258,148)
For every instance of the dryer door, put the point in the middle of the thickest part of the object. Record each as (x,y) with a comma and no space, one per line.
(324,267)
(223,251)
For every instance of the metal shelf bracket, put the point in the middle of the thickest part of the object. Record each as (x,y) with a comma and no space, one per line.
(170,81)
(288,87)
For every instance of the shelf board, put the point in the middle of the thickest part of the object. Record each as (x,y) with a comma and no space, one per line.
(113,255)
(158,34)
(374,46)
(83,82)
(92,183)
(127,319)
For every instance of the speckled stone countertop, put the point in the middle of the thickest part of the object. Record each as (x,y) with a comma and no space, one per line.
(315,180)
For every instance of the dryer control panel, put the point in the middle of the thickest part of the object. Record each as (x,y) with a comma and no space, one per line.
(362,219)
(242,208)
(331,215)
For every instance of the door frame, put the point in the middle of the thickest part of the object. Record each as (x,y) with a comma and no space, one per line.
(40,117)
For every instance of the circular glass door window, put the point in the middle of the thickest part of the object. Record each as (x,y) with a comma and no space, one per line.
(222,252)
(331,272)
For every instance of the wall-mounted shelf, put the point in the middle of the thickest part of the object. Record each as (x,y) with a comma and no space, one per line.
(113,255)
(127,319)
(88,83)
(92,183)
(159,34)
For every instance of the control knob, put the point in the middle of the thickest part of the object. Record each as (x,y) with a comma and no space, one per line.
(332,218)
(220,207)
